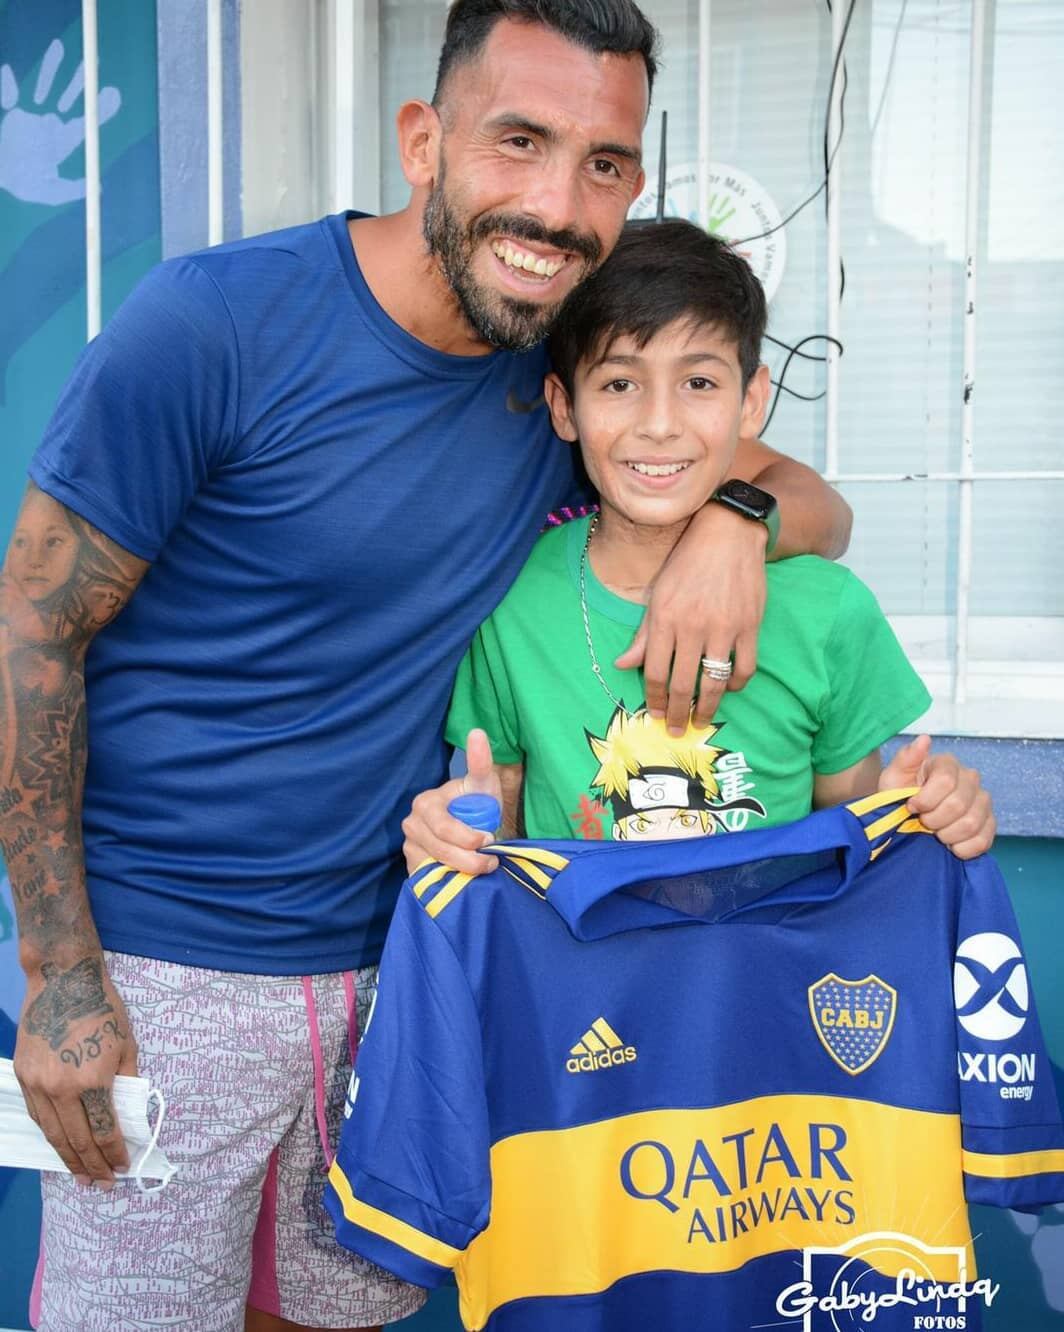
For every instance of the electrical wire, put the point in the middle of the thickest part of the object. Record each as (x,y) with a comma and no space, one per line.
(829,156)
(792,352)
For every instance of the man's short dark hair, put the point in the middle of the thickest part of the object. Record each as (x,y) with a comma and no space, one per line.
(657,274)
(617,27)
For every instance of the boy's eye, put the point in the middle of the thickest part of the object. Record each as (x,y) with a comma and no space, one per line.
(700,382)
(619,386)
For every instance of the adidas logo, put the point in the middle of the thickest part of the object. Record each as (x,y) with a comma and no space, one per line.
(599,1047)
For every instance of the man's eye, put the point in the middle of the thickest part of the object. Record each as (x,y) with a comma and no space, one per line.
(604,167)
(519,141)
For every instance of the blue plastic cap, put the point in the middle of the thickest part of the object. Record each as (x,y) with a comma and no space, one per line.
(479,811)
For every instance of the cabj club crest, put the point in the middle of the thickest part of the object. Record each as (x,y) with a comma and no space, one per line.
(853,1019)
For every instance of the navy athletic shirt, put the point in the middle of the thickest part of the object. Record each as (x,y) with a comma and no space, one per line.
(703,1085)
(330,509)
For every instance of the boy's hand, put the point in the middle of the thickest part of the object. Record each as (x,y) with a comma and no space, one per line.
(708,601)
(951,802)
(432,834)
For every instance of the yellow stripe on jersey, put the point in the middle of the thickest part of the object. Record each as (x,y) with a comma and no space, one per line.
(518,876)
(539,854)
(447,894)
(879,799)
(887,823)
(538,876)
(390,1227)
(433,876)
(717,1191)
(1013,1165)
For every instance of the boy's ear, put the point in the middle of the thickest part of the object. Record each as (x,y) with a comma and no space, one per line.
(755,402)
(560,407)
(420,135)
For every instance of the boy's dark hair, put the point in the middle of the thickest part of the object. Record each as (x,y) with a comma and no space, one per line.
(657,274)
(618,27)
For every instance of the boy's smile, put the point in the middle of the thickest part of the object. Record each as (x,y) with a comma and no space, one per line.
(658,424)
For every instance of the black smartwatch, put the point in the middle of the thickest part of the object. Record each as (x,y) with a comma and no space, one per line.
(753,503)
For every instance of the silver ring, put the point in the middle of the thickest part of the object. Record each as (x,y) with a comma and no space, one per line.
(717,670)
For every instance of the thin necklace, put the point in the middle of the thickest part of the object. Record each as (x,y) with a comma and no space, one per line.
(592,525)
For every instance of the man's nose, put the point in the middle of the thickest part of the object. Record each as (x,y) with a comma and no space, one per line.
(554,196)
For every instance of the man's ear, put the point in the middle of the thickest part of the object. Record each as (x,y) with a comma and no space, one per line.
(755,402)
(420,135)
(560,408)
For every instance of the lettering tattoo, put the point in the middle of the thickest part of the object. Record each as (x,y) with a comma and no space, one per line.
(90,1047)
(67,997)
(61,582)
(98,1109)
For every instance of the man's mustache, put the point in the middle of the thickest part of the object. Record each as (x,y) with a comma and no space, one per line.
(588,247)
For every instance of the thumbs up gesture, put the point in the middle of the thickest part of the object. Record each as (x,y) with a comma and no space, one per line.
(432,834)
(951,802)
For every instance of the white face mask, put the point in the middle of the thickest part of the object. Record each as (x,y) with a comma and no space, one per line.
(23,1145)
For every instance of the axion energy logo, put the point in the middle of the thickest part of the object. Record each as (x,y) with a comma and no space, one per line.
(990,987)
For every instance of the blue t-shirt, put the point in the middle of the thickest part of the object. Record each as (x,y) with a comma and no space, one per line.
(330,509)
(620,1085)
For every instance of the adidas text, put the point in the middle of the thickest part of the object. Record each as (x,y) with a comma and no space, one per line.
(591,1063)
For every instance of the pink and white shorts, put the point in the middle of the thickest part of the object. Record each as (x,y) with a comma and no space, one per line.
(254,1070)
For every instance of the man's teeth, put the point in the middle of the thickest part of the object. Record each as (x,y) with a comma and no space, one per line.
(528,263)
(658,469)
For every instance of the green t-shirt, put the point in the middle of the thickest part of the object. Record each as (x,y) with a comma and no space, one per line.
(832,683)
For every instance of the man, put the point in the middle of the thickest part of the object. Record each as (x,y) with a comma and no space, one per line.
(304,468)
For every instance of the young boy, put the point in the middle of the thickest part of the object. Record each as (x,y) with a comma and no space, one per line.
(657,374)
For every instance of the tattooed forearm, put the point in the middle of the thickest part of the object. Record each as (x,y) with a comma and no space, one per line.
(61,582)
(67,997)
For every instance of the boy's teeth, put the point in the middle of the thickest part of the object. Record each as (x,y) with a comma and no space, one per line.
(658,469)
(527,263)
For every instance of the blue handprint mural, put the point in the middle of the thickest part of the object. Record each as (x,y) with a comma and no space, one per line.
(35,141)
(42,185)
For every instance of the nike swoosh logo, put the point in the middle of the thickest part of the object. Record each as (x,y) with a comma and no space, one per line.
(521,408)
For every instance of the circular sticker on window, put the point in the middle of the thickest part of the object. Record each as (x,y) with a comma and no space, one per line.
(741,211)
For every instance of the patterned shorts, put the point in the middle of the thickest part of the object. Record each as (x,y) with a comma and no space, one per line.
(254,1070)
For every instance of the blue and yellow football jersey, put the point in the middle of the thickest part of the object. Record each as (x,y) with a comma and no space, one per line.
(714,1083)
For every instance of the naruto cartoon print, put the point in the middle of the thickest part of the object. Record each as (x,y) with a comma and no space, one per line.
(659,786)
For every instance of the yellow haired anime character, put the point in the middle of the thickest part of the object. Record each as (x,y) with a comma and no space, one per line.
(660,785)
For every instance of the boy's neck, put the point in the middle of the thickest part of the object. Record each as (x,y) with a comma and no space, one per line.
(626,557)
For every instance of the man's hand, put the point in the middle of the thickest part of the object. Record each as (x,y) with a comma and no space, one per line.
(951,802)
(708,601)
(74,1036)
(432,834)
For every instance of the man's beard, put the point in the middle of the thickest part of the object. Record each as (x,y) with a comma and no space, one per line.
(501,320)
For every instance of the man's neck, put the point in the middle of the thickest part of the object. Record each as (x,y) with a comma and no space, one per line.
(408,285)
(626,557)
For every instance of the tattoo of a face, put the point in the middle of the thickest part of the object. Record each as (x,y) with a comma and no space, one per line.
(67,997)
(62,580)
(98,1108)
